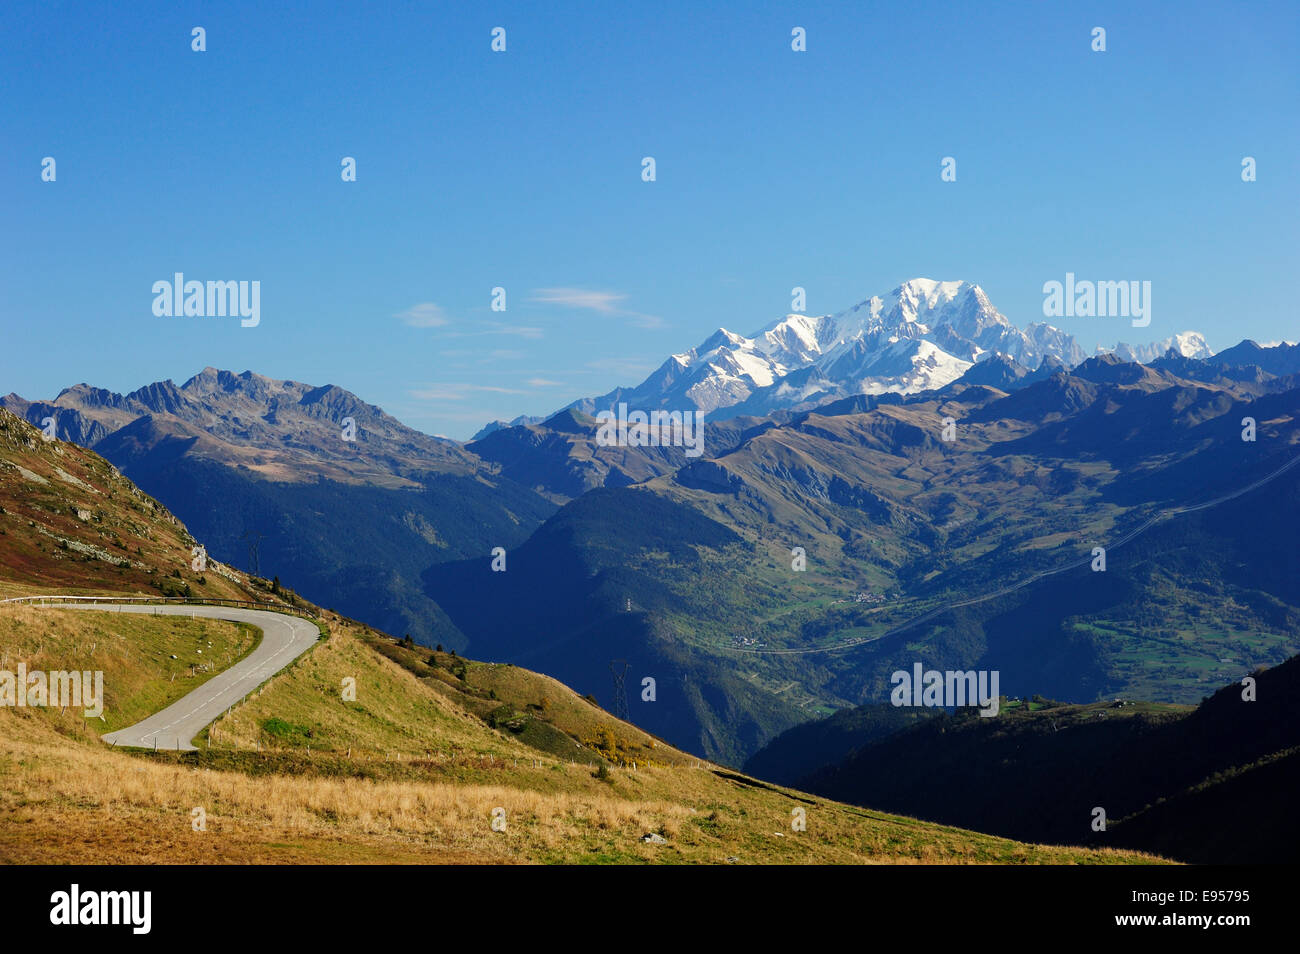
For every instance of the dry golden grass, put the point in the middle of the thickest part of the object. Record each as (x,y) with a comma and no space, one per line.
(394,713)
(69,799)
(47,777)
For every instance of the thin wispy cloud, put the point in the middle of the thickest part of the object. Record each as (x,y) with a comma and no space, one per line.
(424,315)
(431,315)
(601,302)
(418,414)
(478,356)
(498,328)
(457,392)
(543,383)
(519,331)
(604,302)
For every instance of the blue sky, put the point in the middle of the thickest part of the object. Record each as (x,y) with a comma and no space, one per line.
(523,170)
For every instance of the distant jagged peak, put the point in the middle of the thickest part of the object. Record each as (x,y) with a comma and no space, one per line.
(1111,368)
(570,421)
(88,396)
(159,397)
(215,381)
(336,398)
(522,420)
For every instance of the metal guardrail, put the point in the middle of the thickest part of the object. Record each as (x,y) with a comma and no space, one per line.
(180,600)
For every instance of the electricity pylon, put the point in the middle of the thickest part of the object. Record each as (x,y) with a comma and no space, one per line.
(620,690)
(254,538)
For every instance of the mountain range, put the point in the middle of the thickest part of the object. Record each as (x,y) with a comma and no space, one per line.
(689,575)
(920,336)
(436,741)
(825,436)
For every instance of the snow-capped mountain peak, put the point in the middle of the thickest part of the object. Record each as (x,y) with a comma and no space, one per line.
(925,294)
(923,334)
(1188,344)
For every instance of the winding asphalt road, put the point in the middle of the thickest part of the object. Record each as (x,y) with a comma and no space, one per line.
(284,639)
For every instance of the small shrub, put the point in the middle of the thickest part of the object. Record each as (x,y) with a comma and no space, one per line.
(505,717)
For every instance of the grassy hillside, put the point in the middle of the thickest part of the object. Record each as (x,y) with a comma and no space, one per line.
(412,772)
(148,662)
(70,523)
